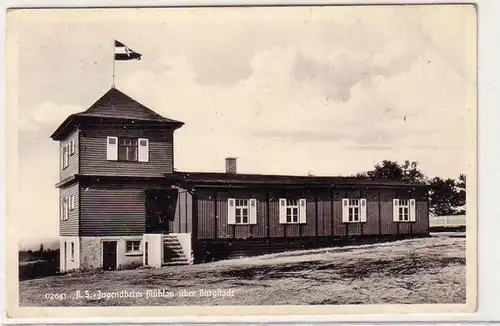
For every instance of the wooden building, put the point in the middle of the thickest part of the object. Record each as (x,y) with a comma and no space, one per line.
(121,203)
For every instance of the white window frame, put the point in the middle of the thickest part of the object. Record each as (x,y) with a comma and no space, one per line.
(240,207)
(72,202)
(72,147)
(65,156)
(354,210)
(62,211)
(65,208)
(404,210)
(72,248)
(292,210)
(236,207)
(134,247)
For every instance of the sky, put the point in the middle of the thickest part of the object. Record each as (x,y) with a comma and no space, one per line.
(322,90)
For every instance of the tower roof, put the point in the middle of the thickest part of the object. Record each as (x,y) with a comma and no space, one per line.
(115,106)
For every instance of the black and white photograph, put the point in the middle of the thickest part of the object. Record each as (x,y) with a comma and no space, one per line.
(217,157)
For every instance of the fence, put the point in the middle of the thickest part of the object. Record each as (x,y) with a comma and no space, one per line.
(450,221)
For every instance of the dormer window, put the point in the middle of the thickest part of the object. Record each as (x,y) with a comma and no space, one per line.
(127,149)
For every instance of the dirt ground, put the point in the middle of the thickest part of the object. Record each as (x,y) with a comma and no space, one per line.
(430,270)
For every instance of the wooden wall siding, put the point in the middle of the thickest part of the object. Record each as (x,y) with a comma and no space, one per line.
(183,213)
(371,227)
(69,227)
(93,153)
(339,228)
(325,220)
(223,230)
(379,214)
(73,166)
(275,228)
(309,228)
(387,225)
(112,210)
(422,223)
(206,215)
(260,230)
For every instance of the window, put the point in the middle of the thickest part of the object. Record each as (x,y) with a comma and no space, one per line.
(72,202)
(133,246)
(404,209)
(72,251)
(71,147)
(353,210)
(62,210)
(241,211)
(64,157)
(65,208)
(127,149)
(292,211)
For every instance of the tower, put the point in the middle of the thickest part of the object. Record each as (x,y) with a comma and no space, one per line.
(110,155)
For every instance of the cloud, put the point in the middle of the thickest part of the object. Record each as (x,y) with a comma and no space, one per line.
(46,115)
(337,76)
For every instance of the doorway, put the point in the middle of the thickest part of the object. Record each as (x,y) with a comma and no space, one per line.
(109,255)
(160,210)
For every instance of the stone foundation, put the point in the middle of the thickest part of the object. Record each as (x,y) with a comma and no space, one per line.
(91,252)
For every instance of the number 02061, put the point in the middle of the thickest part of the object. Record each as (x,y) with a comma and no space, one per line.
(55,296)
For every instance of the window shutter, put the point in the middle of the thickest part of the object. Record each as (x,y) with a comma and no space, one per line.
(413,211)
(282,211)
(72,203)
(362,203)
(143,150)
(67,207)
(62,158)
(253,211)
(395,210)
(231,211)
(112,149)
(345,210)
(67,156)
(61,217)
(302,211)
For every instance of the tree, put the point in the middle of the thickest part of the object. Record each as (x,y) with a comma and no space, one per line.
(394,171)
(447,196)
(41,247)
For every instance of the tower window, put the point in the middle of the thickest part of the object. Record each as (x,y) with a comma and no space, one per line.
(127,149)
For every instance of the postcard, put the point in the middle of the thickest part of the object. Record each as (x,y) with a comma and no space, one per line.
(308,160)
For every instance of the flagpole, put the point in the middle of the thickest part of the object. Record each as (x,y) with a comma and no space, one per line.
(114,49)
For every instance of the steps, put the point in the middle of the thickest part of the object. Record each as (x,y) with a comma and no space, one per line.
(173,254)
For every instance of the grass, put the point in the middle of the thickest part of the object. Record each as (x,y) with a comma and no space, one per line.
(429,270)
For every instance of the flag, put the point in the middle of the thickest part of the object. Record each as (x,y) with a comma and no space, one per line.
(123,52)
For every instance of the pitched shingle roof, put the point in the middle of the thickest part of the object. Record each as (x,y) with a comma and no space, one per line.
(115,105)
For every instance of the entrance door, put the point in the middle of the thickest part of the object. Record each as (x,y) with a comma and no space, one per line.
(160,210)
(109,255)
